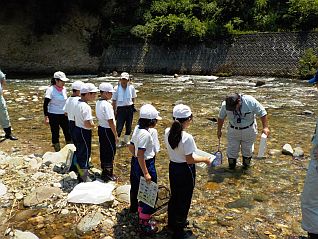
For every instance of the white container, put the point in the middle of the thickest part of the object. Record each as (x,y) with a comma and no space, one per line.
(262,146)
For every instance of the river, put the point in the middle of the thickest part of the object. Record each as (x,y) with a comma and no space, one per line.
(262,202)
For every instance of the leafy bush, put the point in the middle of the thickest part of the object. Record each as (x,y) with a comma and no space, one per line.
(308,64)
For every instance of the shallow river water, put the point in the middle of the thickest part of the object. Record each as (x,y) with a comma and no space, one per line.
(262,202)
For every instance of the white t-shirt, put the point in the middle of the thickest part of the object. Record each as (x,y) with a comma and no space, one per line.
(142,139)
(57,100)
(83,112)
(186,146)
(126,95)
(70,105)
(154,134)
(104,112)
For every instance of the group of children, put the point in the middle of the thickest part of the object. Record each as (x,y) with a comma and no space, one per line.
(143,146)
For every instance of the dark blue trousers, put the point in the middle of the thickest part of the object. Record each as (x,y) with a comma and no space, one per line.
(182,182)
(135,173)
(107,147)
(71,126)
(125,116)
(83,146)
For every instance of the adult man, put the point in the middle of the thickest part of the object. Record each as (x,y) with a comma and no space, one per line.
(309,197)
(123,104)
(4,116)
(241,111)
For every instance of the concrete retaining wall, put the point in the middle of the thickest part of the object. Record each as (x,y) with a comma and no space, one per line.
(254,54)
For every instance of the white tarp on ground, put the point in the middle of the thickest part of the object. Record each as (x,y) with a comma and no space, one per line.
(92,192)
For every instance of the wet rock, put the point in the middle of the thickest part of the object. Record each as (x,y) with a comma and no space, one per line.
(298,152)
(275,152)
(41,194)
(240,203)
(123,193)
(25,215)
(24,235)
(259,83)
(260,197)
(307,112)
(89,222)
(287,150)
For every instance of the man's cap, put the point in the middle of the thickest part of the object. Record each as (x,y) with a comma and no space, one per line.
(231,102)
(148,111)
(106,87)
(88,88)
(124,75)
(181,111)
(77,85)
(60,75)
(314,79)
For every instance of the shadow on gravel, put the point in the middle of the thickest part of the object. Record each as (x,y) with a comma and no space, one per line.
(218,174)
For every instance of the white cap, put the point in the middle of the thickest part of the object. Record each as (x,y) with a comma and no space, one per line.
(77,85)
(60,75)
(88,88)
(124,75)
(181,111)
(106,87)
(147,111)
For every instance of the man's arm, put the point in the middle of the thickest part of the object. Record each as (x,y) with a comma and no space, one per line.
(220,125)
(265,125)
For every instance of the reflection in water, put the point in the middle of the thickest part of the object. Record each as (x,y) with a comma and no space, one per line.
(226,204)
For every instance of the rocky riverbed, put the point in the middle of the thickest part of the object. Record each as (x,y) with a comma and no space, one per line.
(262,202)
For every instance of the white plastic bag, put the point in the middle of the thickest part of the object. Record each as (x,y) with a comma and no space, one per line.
(92,192)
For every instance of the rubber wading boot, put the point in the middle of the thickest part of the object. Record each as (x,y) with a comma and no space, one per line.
(232,163)
(8,134)
(246,162)
(57,147)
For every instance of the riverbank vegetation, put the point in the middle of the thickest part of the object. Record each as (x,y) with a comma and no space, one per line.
(174,21)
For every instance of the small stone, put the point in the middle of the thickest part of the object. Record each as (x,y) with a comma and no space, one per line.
(64,211)
(19,196)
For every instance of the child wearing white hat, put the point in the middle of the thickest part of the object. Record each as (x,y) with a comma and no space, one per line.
(181,146)
(106,131)
(143,163)
(83,129)
(54,102)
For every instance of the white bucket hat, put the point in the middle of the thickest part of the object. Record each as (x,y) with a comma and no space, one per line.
(148,111)
(61,76)
(181,111)
(106,87)
(88,88)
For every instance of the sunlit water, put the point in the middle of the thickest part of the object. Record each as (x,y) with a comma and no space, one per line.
(260,203)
